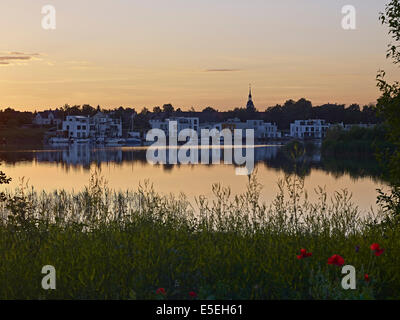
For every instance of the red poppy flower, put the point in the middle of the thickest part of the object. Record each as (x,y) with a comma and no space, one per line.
(377,249)
(160,291)
(366,277)
(336,260)
(304,254)
(192,294)
(375,246)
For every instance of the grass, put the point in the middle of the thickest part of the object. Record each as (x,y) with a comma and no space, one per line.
(125,245)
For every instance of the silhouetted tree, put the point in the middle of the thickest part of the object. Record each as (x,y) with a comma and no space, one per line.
(157,109)
(209,110)
(168,108)
(3,180)
(389,108)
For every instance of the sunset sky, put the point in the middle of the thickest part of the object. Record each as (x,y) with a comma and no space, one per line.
(189,53)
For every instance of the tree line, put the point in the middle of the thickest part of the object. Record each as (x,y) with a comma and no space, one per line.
(282,115)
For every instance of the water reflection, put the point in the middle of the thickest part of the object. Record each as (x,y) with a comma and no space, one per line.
(125,168)
(272,156)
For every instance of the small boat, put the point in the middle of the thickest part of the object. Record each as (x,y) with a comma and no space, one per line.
(100,140)
(81,141)
(115,142)
(133,139)
(58,141)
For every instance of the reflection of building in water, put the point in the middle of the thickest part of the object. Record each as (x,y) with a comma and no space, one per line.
(316,157)
(271,156)
(49,156)
(262,154)
(77,154)
(84,154)
(81,154)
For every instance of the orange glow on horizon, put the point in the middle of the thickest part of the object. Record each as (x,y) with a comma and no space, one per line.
(137,54)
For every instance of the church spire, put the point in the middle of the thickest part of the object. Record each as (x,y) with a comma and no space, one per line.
(250,105)
(250,96)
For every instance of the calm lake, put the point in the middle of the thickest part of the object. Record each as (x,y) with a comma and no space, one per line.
(125,167)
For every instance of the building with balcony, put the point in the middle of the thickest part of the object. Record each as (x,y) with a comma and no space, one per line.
(99,127)
(103,126)
(178,124)
(309,129)
(262,130)
(76,127)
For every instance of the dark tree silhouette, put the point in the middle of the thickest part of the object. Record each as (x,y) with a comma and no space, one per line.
(3,180)
(168,108)
(389,108)
(157,109)
(209,110)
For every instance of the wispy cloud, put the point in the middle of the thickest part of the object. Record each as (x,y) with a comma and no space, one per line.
(10,58)
(222,70)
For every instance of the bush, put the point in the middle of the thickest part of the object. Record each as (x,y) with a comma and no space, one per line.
(357,142)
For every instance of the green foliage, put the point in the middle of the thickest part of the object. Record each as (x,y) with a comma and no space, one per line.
(357,142)
(124,245)
(3,180)
(389,109)
(391,204)
(391,18)
(322,288)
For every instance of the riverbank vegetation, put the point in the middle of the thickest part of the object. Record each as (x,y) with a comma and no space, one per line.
(139,244)
(355,143)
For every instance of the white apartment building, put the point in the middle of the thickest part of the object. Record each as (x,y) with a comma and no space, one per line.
(181,124)
(211,126)
(262,130)
(303,129)
(100,126)
(233,124)
(76,127)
